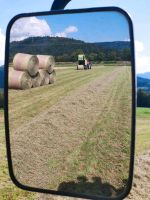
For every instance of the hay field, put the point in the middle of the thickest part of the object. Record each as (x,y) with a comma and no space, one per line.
(88,145)
(79,130)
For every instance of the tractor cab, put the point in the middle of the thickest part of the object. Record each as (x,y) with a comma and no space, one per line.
(82,62)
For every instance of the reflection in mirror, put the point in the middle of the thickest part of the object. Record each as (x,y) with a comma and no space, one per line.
(70,102)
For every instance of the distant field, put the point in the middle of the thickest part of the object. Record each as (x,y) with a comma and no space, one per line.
(143,130)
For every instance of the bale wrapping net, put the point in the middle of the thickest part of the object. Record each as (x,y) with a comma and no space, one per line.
(46,62)
(36,80)
(26,62)
(19,80)
(52,77)
(44,77)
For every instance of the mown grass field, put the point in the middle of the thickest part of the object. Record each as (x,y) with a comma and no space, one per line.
(50,95)
(83,112)
(32,102)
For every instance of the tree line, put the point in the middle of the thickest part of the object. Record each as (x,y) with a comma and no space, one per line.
(67,50)
(143,98)
(99,56)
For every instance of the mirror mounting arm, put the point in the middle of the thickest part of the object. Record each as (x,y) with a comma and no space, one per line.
(59,4)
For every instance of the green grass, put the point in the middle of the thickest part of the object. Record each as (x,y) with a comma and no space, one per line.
(13,193)
(143,130)
(143,112)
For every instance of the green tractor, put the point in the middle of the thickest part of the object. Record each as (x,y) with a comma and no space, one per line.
(83,63)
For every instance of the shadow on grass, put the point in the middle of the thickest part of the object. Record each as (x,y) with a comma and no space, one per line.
(92,188)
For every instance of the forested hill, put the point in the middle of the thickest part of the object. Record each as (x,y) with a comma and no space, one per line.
(66,49)
(120,45)
(143,83)
(143,93)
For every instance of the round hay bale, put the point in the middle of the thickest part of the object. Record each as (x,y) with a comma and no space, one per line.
(44,77)
(19,80)
(26,62)
(46,62)
(36,80)
(52,77)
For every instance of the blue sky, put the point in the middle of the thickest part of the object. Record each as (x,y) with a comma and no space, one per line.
(139,11)
(91,27)
(88,27)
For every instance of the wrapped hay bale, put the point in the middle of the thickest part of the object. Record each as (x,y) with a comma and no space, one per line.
(46,62)
(26,62)
(52,77)
(19,80)
(80,67)
(44,77)
(36,80)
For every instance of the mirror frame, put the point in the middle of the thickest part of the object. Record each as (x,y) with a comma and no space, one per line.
(6,110)
(59,4)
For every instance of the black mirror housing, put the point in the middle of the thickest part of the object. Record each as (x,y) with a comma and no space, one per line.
(78,58)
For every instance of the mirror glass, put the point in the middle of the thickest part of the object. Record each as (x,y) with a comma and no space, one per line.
(70,94)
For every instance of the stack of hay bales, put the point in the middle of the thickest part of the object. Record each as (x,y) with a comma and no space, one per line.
(31,71)
(46,66)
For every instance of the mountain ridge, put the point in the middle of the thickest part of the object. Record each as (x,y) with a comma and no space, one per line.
(145,75)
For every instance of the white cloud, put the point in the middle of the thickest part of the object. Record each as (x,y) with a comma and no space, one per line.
(71,29)
(32,27)
(142,60)
(29,27)
(142,63)
(139,46)
(68,30)
(2,47)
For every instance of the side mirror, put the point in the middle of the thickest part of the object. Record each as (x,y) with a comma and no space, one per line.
(70,102)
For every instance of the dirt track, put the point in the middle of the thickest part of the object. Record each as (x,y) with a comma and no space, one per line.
(62,130)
